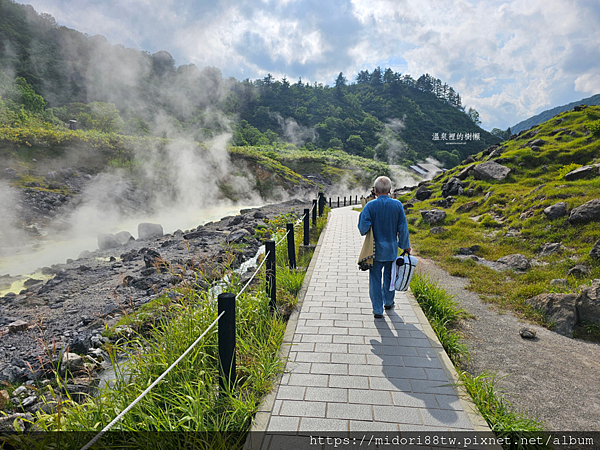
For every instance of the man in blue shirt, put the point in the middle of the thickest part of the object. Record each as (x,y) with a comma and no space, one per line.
(390,232)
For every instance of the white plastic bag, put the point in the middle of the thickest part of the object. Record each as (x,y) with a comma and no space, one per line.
(402,272)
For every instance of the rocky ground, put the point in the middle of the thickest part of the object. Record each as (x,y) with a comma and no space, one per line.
(73,308)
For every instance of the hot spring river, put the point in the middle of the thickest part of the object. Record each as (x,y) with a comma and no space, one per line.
(27,260)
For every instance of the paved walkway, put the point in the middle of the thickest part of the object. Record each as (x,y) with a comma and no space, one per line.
(348,371)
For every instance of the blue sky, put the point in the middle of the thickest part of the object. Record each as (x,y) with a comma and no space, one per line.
(508,59)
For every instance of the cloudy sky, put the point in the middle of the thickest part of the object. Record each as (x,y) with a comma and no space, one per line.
(508,59)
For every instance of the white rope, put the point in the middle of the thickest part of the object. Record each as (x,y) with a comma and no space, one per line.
(126,410)
(300,220)
(254,274)
(282,239)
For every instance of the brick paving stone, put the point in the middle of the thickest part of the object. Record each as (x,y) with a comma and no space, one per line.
(302,409)
(397,414)
(349,411)
(326,394)
(347,381)
(279,423)
(329,426)
(370,427)
(291,392)
(366,370)
(301,379)
(414,400)
(329,368)
(436,374)
(312,357)
(445,418)
(370,397)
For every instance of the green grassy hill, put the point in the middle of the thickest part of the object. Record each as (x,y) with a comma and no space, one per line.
(506,217)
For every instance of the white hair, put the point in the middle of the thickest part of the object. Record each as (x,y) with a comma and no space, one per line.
(383,185)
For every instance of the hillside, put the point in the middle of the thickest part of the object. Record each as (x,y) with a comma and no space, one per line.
(65,75)
(546,115)
(535,211)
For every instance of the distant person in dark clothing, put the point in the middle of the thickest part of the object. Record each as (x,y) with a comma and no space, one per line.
(390,232)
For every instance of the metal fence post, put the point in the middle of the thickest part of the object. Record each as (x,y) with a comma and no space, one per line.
(226,335)
(306,227)
(321,203)
(344,201)
(314,213)
(271,275)
(329,202)
(291,245)
(356,199)
(338,202)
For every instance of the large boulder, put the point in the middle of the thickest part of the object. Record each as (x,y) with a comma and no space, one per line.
(107,241)
(588,304)
(422,193)
(433,216)
(582,172)
(558,308)
(453,187)
(490,170)
(588,212)
(515,262)
(124,237)
(555,211)
(149,230)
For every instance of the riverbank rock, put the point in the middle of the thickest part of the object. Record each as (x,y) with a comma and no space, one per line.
(558,308)
(107,241)
(588,212)
(71,362)
(490,170)
(555,211)
(238,235)
(433,216)
(149,230)
(516,262)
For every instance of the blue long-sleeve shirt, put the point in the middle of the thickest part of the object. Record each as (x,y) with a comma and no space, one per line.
(390,230)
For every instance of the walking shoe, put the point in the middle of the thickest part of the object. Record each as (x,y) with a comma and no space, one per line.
(378,316)
(389,306)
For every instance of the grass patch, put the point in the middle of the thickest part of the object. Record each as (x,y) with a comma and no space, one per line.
(442,311)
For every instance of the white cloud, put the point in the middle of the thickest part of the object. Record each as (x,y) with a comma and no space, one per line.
(507,58)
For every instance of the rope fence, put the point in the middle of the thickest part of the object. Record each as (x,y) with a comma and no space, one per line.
(226,310)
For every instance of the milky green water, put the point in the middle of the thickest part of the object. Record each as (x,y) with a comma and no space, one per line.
(30,259)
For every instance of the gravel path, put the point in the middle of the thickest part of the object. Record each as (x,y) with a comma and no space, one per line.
(553,377)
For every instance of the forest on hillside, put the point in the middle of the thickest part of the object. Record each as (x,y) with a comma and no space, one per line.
(51,74)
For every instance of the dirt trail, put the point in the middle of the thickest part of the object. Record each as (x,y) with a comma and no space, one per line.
(553,377)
